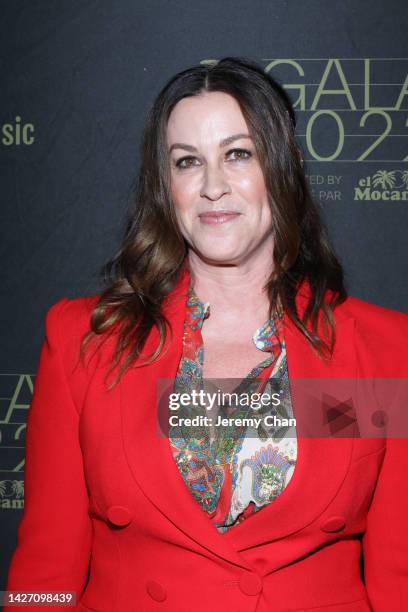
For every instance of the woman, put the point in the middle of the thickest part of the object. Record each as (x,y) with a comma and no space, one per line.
(224,273)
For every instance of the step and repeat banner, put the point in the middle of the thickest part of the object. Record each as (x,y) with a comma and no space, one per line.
(77,81)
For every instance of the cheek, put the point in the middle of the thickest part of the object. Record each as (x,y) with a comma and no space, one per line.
(256,196)
(183,202)
(254,189)
(181,193)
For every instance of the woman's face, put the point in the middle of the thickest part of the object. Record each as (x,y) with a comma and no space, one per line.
(217,184)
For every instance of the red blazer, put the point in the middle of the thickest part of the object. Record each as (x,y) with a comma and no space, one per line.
(107,514)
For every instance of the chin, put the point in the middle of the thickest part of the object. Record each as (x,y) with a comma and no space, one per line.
(220,257)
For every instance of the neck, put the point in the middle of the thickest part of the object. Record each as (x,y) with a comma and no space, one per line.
(231,288)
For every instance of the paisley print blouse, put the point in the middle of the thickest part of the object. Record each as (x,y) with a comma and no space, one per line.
(234,471)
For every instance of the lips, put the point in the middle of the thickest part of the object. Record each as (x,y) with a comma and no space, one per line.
(216,217)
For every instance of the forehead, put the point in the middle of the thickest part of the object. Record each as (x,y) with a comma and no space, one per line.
(209,116)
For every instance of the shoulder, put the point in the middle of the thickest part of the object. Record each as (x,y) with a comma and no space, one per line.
(380,334)
(372,317)
(66,323)
(70,315)
(367,316)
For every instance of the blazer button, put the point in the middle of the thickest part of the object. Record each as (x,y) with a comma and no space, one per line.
(119,515)
(334,523)
(250,584)
(155,590)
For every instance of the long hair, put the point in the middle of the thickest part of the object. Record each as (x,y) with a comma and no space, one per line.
(146,268)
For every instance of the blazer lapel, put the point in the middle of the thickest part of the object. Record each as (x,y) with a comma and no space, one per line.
(321,465)
(148,450)
(323,459)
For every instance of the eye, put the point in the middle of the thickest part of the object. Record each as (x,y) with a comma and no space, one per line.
(239,154)
(233,155)
(185,162)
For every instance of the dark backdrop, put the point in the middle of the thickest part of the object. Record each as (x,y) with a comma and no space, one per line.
(77,78)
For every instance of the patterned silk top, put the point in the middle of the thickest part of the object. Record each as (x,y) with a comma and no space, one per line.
(234,471)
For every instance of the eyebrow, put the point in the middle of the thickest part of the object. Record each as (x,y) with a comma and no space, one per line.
(223,143)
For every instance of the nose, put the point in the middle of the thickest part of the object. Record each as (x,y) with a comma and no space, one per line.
(215,183)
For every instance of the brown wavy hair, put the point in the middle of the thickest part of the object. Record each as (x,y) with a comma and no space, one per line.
(146,268)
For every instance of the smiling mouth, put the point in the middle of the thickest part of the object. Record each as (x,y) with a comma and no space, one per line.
(216,217)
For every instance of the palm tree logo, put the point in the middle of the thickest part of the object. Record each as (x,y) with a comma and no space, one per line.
(384,178)
(17,488)
(13,488)
(404,176)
